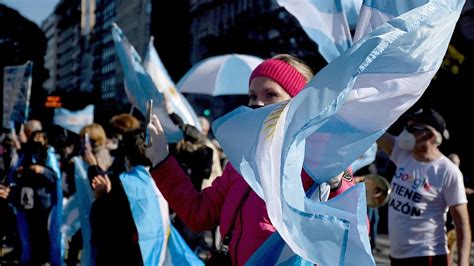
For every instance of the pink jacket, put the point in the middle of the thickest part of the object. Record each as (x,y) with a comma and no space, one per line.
(217,205)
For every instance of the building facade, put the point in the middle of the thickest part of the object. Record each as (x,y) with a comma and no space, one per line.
(49,27)
(133,17)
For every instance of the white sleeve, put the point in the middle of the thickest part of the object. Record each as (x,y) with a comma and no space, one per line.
(397,153)
(454,192)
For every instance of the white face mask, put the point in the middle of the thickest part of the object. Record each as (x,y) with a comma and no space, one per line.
(406,141)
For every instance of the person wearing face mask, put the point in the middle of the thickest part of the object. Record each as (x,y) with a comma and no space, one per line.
(425,186)
(229,201)
(32,192)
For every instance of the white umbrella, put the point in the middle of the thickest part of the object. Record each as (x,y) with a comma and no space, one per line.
(220,75)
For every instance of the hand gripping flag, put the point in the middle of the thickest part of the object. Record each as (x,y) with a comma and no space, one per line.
(335,119)
(178,103)
(139,86)
(159,242)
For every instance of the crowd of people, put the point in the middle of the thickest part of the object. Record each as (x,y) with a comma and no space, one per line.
(215,209)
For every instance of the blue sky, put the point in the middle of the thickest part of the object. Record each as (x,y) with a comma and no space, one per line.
(34,10)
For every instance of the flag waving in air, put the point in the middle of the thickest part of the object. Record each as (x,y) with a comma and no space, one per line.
(139,86)
(327,23)
(163,82)
(16,93)
(336,118)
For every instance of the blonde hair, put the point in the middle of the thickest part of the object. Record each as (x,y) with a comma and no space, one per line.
(298,64)
(96,134)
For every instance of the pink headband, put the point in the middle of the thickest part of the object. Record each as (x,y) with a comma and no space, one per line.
(282,73)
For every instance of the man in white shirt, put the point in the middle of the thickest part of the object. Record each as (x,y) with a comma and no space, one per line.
(425,185)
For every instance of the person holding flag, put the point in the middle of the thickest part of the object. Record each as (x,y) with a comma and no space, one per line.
(35,192)
(416,224)
(229,201)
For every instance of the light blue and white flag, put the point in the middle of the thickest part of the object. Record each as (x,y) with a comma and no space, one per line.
(365,159)
(163,82)
(71,217)
(337,117)
(159,242)
(326,22)
(178,251)
(74,120)
(375,12)
(139,86)
(16,93)
(85,198)
(329,23)
(56,214)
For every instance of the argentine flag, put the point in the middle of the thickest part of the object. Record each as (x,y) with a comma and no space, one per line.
(139,86)
(160,243)
(17,82)
(327,23)
(330,23)
(84,197)
(55,215)
(163,82)
(74,120)
(328,125)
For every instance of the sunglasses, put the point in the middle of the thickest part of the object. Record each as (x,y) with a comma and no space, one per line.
(413,128)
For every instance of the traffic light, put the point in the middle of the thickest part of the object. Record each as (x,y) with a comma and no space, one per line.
(206,112)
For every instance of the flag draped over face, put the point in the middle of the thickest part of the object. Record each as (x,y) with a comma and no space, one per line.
(16,93)
(329,124)
(157,71)
(139,86)
(159,242)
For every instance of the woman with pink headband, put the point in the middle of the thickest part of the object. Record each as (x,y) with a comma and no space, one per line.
(229,202)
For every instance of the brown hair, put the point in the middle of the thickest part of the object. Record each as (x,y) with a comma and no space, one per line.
(123,123)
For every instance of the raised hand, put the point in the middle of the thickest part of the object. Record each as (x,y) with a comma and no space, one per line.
(101,185)
(159,150)
(4,191)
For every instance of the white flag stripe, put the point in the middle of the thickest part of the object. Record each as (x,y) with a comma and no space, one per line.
(374,13)
(139,86)
(165,85)
(74,120)
(333,24)
(405,52)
